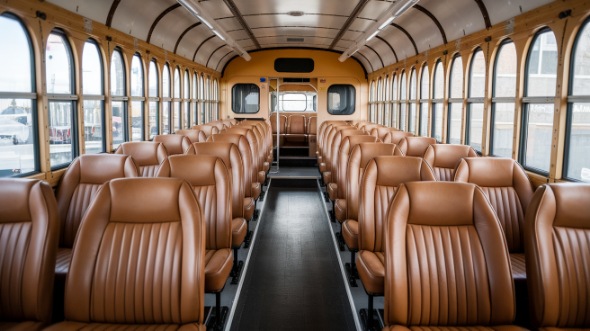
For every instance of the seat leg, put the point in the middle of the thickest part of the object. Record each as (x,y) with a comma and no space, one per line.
(218,320)
(333,212)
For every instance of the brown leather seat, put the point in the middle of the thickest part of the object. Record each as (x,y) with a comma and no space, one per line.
(296,128)
(415,146)
(230,156)
(368,127)
(208,130)
(556,233)
(174,143)
(447,266)
(322,136)
(218,124)
(395,136)
(76,190)
(140,259)
(264,136)
(29,234)
(346,147)
(251,184)
(194,135)
(444,158)
(330,150)
(360,156)
(312,128)
(380,132)
(332,186)
(507,186)
(280,129)
(381,180)
(148,155)
(258,155)
(227,123)
(211,183)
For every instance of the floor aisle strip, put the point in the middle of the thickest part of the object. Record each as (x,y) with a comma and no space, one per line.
(230,317)
(342,269)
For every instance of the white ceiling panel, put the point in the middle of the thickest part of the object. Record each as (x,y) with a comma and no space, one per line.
(323,24)
(95,10)
(500,11)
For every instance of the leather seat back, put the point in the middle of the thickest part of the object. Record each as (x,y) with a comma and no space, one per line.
(415,146)
(335,149)
(194,135)
(211,183)
(395,136)
(346,147)
(282,126)
(323,136)
(380,132)
(360,156)
(445,246)
(312,126)
(245,153)
(296,124)
(367,127)
(29,234)
(174,143)
(79,184)
(229,154)
(444,158)
(382,178)
(140,256)
(148,155)
(507,186)
(255,146)
(208,130)
(557,232)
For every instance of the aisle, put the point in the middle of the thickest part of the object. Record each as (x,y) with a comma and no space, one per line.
(293,280)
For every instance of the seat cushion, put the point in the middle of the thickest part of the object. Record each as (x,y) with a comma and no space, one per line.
(239,229)
(350,233)
(67,326)
(218,264)
(340,210)
(327,177)
(261,176)
(256,190)
(249,208)
(332,189)
(371,269)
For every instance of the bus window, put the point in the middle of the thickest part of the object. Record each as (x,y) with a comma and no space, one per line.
(503,96)
(245,99)
(341,99)
(93,91)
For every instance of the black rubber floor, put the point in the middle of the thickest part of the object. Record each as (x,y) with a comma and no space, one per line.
(293,281)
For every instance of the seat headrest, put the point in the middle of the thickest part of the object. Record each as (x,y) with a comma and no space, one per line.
(220,149)
(487,171)
(145,200)
(440,203)
(15,199)
(370,150)
(568,204)
(355,140)
(174,143)
(396,170)
(415,146)
(447,155)
(233,138)
(198,170)
(100,168)
(144,152)
(193,135)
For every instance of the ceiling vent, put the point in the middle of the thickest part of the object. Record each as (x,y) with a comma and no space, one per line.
(295,40)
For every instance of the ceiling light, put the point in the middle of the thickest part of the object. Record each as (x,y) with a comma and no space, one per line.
(193,7)
(393,12)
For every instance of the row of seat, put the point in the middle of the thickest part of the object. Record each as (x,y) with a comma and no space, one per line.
(219,174)
(372,180)
(293,128)
(139,257)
